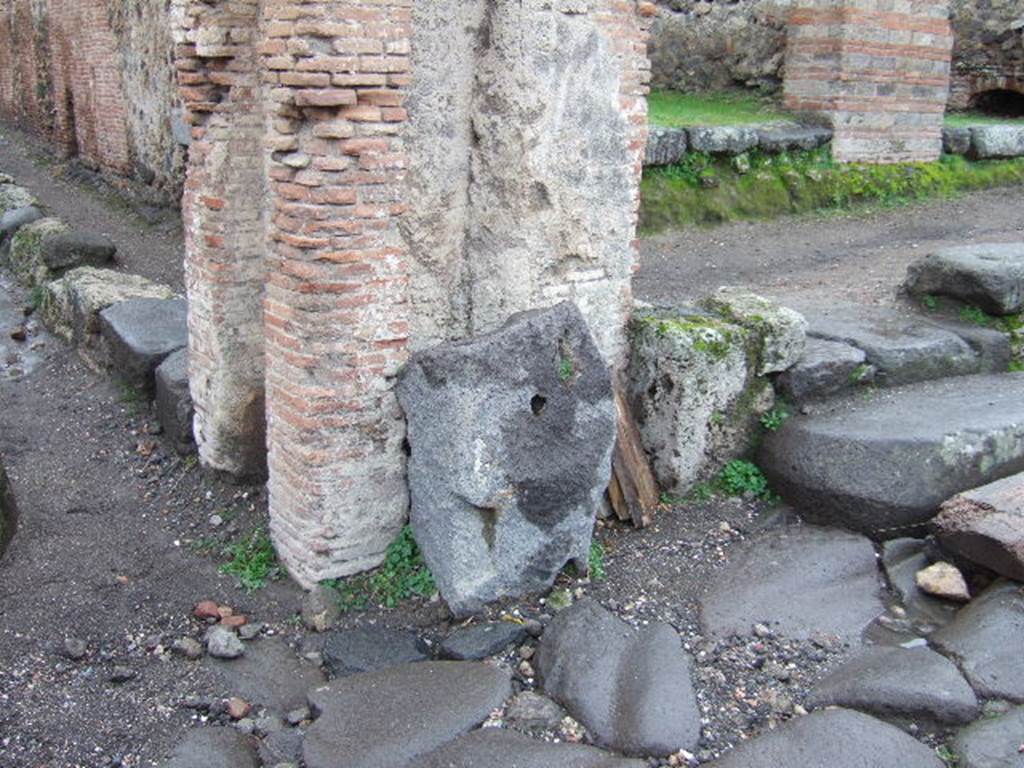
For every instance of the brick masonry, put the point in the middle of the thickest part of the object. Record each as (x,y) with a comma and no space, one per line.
(878,69)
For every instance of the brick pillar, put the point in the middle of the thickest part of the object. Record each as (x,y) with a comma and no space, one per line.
(222,209)
(878,69)
(336,306)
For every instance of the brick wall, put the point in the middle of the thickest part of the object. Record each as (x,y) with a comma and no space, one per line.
(988,52)
(878,69)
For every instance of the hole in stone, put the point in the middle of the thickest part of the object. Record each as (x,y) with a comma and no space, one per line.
(537,403)
(999,103)
(489,517)
(406,447)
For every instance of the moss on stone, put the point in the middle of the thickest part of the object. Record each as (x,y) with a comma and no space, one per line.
(26,253)
(707,335)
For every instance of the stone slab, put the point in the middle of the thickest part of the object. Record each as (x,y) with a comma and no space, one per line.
(173,401)
(787,137)
(499,747)
(986,525)
(992,743)
(956,141)
(987,641)
(396,716)
(883,463)
(665,146)
(27,248)
(990,142)
(799,581)
(833,738)
(825,368)
(370,649)
(212,747)
(141,333)
(76,249)
(479,641)
(630,688)
(988,275)
(723,139)
(270,675)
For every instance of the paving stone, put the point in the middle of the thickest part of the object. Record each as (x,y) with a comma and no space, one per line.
(371,648)
(992,346)
(789,137)
(825,368)
(141,333)
(832,738)
(985,639)
(992,743)
(986,525)
(630,688)
(723,139)
(799,581)
(499,747)
(511,435)
(781,332)
(902,559)
(480,641)
(269,675)
(915,683)
(665,146)
(988,275)
(997,141)
(173,402)
(956,141)
(395,716)
(882,463)
(214,748)
(75,249)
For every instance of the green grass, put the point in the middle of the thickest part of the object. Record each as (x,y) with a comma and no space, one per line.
(253,560)
(705,190)
(967,119)
(775,418)
(679,110)
(740,477)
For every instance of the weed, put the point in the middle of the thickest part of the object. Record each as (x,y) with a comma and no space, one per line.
(566,369)
(929,302)
(205,545)
(191,462)
(131,394)
(1016,366)
(859,374)
(740,477)
(403,575)
(975,316)
(596,561)
(36,297)
(775,418)
(253,560)
(947,756)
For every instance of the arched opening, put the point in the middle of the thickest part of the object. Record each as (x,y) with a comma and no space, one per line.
(999,102)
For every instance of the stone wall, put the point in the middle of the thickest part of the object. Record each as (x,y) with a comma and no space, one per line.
(988,52)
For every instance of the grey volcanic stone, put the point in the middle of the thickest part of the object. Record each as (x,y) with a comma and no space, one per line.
(991,345)
(986,641)
(630,688)
(74,249)
(994,743)
(800,581)
(723,139)
(902,559)
(903,348)
(223,643)
(826,367)
(15,219)
(997,141)
(8,512)
(529,711)
(665,146)
(916,683)
(174,401)
(141,333)
(833,738)
(956,141)
(371,648)
(787,137)
(986,525)
(990,275)
(214,748)
(883,464)
(481,640)
(511,436)
(396,716)
(508,749)
(270,675)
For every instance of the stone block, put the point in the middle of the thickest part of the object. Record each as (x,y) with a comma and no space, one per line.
(67,250)
(174,403)
(993,142)
(511,435)
(825,368)
(989,275)
(497,746)
(665,146)
(992,742)
(13,220)
(27,249)
(779,333)
(140,334)
(723,139)
(213,747)
(13,197)
(956,141)
(790,137)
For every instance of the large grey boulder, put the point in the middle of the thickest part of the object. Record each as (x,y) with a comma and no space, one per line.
(997,141)
(511,435)
(897,682)
(825,368)
(141,333)
(723,139)
(799,581)
(781,332)
(989,275)
(173,401)
(665,146)
(788,137)
(508,749)
(883,463)
(992,743)
(630,688)
(985,640)
(398,715)
(986,525)
(214,748)
(833,738)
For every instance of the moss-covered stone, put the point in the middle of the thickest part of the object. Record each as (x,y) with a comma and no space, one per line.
(26,255)
(12,197)
(781,333)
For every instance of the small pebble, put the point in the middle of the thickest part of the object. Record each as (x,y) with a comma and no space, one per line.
(238,708)
(75,649)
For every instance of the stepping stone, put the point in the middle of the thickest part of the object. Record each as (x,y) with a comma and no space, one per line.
(913,683)
(801,582)
(630,688)
(270,675)
(174,401)
(997,141)
(141,333)
(833,738)
(508,749)
(480,641)
(882,464)
(212,747)
(989,275)
(902,559)
(986,525)
(396,716)
(370,649)
(987,642)
(825,368)
(992,346)
(903,348)
(992,743)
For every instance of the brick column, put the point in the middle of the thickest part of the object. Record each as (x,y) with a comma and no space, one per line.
(222,209)
(878,69)
(336,306)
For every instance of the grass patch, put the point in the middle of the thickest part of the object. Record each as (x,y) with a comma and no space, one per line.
(253,560)
(775,418)
(740,477)
(704,190)
(967,119)
(672,109)
(403,575)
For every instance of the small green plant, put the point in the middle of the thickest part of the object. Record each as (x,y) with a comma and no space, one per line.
(253,560)
(566,369)
(860,373)
(947,756)
(35,298)
(131,395)
(403,575)
(929,302)
(596,561)
(205,545)
(740,477)
(775,418)
(975,316)
(1016,366)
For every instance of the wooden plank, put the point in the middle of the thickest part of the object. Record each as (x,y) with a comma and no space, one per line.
(636,495)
